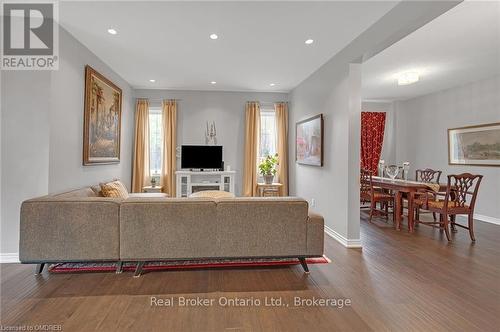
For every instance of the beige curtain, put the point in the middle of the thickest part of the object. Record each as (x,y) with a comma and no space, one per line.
(282,135)
(140,173)
(169,118)
(252,133)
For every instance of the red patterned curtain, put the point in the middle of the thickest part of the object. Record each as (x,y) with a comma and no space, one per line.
(372,138)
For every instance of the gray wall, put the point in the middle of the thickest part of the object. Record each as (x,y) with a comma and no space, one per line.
(227,109)
(421,133)
(328,92)
(42,134)
(25,147)
(66,116)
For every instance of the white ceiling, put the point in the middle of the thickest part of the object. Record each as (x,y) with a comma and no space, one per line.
(259,43)
(460,46)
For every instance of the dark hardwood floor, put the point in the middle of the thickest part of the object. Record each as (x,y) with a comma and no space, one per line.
(397,282)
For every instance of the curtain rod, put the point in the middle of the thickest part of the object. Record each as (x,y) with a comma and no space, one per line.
(157,99)
(160,100)
(266,102)
(271,102)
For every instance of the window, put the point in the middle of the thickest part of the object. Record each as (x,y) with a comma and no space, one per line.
(268,136)
(155,141)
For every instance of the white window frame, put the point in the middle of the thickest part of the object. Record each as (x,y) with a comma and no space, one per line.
(155,110)
(268,110)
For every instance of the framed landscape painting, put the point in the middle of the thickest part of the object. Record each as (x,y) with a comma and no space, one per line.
(309,141)
(102,120)
(475,145)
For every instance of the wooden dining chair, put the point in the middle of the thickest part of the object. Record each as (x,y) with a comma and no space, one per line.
(368,194)
(427,175)
(460,198)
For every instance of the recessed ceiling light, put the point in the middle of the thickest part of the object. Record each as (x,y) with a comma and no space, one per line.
(272,84)
(152,81)
(213,36)
(112,31)
(309,41)
(407,78)
(213,82)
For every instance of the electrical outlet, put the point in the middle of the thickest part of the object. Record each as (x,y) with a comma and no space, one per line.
(313,202)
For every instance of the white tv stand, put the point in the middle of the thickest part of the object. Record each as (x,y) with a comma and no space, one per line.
(191,181)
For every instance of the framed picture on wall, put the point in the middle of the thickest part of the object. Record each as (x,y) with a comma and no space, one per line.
(474,145)
(102,119)
(309,141)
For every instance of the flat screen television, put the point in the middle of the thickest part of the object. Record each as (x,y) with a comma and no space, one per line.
(201,157)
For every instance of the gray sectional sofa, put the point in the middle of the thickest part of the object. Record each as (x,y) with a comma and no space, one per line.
(79,226)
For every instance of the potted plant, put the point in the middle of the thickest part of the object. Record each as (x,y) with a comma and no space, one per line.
(268,168)
(153,182)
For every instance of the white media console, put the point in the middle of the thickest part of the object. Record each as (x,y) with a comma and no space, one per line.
(189,182)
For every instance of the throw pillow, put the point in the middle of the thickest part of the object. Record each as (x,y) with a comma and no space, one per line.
(114,189)
(212,194)
(97,190)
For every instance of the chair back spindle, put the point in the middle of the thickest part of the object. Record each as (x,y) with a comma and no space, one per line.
(366,186)
(462,188)
(427,175)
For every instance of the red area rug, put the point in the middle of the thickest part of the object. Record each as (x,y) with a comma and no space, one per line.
(181,264)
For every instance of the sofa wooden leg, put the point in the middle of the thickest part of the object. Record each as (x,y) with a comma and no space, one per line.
(138,269)
(304,265)
(39,268)
(119,267)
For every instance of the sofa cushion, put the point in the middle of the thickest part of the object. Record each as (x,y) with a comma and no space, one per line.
(83,192)
(257,226)
(173,228)
(148,195)
(69,229)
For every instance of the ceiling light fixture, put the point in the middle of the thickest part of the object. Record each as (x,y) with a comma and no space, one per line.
(407,78)
(309,41)
(152,81)
(272,84)
(112,31)
(213,82)
(213,36)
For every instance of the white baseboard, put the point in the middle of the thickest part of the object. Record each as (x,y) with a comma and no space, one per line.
(348,243)
(9,257)
(488,219)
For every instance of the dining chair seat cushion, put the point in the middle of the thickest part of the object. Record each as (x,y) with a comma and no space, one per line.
(437,204)
(376,196)
(423,197)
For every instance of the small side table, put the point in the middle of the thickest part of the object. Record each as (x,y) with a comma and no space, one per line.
(149,189)
(269,190)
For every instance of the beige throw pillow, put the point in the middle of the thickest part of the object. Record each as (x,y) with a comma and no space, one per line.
(212,194)
(114,189)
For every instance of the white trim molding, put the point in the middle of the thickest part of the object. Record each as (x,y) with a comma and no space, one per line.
(480,217)
(12,257)
(348,243)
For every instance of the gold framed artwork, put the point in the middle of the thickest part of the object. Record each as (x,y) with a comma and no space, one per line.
(474,145)
(309,141)
(102,119)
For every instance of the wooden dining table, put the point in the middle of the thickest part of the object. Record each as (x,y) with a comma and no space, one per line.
(399,187)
